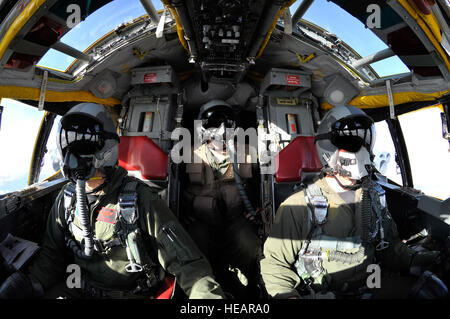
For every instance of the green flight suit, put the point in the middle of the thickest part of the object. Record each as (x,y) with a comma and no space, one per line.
(289,233)
(215,214)
(179,256)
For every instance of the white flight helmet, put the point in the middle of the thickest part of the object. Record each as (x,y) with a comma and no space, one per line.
(216,117)
(345,140)
(87,140)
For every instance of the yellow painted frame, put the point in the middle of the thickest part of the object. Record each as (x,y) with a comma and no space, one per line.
(28,93)
(430,26)
(18,24)
(375,101)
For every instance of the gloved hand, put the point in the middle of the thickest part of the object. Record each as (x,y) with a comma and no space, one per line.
(320,295)
(20,286)
(422,261)
(256,219)
(429,286)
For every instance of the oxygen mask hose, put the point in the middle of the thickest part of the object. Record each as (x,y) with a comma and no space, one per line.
(76,168)
(83,214)
(366,209)
(240,185)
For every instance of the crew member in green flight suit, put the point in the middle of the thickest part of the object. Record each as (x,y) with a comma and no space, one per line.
(326,235)
(123,238)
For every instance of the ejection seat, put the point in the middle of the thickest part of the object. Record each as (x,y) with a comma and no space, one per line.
(146,123)
(148,117)
(295,165)
(143,158)
(289,111)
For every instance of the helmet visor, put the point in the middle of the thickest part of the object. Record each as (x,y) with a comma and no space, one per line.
(216,121)
(215,116)
(350,133)
(83,135)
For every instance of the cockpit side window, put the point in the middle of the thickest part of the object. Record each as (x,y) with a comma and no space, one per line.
(50,163)
(428,151)
(20,124)
(384,151)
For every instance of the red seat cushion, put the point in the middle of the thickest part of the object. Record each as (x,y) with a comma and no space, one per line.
(299,156)
(167,289)
(140,153)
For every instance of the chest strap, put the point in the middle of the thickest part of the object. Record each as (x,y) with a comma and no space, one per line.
(137,252)
(319,247)
(127,235)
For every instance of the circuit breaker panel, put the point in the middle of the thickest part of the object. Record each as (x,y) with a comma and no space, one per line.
(152,105)
(289,118)
(288,108)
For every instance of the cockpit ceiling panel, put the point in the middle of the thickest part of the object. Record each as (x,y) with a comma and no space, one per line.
(358,9)
(45,32)
(87,7)
(10,29)
(404,39)
(224,29)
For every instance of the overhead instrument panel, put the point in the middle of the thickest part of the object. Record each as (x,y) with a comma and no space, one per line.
(224,31)
(224,37)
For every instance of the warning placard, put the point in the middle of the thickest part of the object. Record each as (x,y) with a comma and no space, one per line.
(293,79)
(150,78)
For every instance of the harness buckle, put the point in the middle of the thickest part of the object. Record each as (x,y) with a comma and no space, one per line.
(133,267)
(320,204)
(128,211)
(382,245)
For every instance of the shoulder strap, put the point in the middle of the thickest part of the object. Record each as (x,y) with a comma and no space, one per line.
(69,203)
(128,211)
(317,204)
(135,243)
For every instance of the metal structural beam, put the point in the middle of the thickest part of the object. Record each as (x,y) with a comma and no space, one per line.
(445,6)
(301,10)
(150,8)
(380,55)
(67,49)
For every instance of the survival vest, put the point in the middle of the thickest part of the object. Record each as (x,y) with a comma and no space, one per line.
(127,234)
(320,248)
(211,194)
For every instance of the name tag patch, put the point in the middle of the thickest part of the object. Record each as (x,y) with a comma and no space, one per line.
(107,215)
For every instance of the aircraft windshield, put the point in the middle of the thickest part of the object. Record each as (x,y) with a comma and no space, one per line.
(96,25)
(345,26)
(353,32)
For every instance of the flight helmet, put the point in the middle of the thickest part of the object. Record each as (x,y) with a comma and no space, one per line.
(216,112)
(87,140)
(345,140)
(216,117)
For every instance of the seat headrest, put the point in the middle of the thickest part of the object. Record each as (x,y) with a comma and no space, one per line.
(296,159)
(140,153)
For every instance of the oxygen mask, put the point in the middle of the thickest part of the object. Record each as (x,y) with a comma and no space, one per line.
(353,165)
(216,138)
(80,141)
